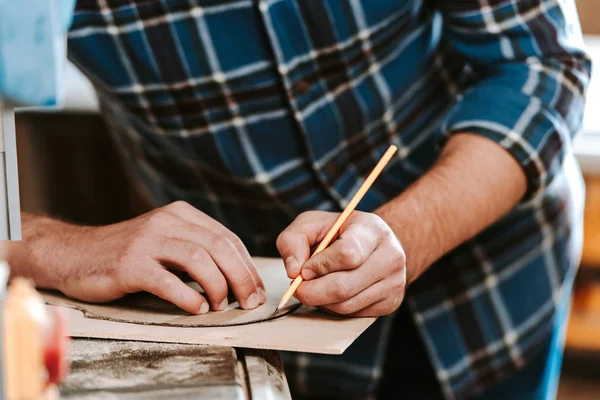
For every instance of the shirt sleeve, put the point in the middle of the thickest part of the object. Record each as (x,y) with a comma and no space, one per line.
(530,73)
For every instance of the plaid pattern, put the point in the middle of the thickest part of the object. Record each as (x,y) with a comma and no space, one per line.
(255,111)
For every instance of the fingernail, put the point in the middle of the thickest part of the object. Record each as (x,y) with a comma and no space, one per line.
(308,274)
(252,301)
(223,304)
(291,263)
(204,308)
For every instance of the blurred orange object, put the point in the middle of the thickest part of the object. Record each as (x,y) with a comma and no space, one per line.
(591,228)
(34,352)
(24,319)
(584,324)
(56,348)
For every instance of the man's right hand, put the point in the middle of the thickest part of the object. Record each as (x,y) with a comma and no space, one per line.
(100,264)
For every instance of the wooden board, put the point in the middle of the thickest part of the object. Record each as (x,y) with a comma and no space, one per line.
(123,370)
(118,366)
(266,376)
(147,309)
(304,330)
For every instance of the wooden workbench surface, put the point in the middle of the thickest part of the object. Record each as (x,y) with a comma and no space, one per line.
(124,370)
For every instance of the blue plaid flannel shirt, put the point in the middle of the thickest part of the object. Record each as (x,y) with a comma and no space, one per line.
(255,111)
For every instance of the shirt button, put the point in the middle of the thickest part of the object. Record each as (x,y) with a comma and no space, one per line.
(301,87)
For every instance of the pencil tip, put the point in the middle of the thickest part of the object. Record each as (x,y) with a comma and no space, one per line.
(276,311)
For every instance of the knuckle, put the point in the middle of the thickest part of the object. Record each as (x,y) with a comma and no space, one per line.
(253,272)
(340,290)
(283,239)
(167,286)
(380,225)
(401,259)
(305,216)
(397,301)
(382,311)
(317,269)
(346,307)
(399,281)
(308,217)
(178,205)
(398,259)
(392,305)
(318,266)
(350,255)
(242,282)
(196,254)
(247,281)
(222,289)
(159,218)
(376,219)
(220,243)
(236,241)
(218,289)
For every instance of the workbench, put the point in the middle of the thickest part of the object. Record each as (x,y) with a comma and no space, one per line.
(126,370)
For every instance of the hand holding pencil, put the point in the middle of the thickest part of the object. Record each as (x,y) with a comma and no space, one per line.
(361,274)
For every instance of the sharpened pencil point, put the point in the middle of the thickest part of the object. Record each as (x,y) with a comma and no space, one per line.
(276,311)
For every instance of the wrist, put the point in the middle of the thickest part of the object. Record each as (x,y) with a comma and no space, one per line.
(473,184)
(42,254)
(409,224)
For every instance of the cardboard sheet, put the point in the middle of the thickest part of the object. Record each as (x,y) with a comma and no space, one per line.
(145,308)
(305,329)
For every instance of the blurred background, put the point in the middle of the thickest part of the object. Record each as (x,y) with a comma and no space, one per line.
(69,168)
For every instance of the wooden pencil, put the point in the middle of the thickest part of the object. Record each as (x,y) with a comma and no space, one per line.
(387,156)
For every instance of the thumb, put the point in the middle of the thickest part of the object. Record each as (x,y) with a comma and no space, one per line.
(295,251)
(295,242)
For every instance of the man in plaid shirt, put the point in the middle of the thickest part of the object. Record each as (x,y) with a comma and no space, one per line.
(264,116)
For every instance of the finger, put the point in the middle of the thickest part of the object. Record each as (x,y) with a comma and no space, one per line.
(355,245)
(343,285)
(165,285)
(199,265)
(382,297)
(295,242)
(239,278)
(379,309)
(190,214)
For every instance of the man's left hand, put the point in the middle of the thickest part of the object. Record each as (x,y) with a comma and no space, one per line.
(362,273)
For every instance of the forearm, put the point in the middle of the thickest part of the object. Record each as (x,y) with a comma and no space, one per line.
(472,185)
(35,255)
(100,264)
